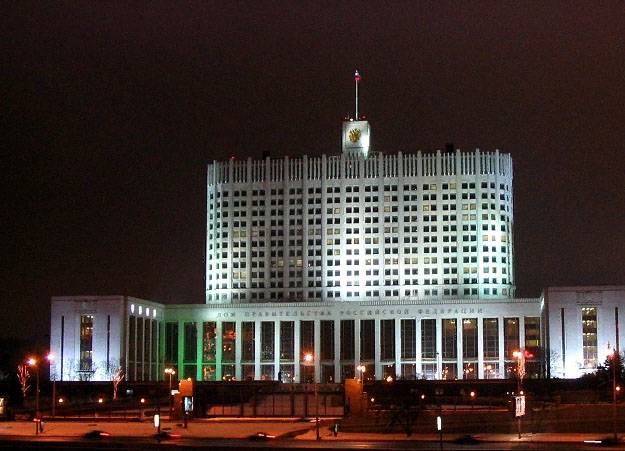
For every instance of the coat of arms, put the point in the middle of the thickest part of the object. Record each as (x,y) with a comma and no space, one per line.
(354,135)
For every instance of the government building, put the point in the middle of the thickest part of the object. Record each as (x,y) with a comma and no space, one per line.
(351,264)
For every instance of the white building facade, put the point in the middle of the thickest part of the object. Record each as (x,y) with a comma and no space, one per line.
(377,266)
(581,327)
(402,227)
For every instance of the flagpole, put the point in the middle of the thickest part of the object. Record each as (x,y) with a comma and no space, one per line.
(356,78)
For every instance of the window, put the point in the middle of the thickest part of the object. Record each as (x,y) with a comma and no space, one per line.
(208,342)
(589,337)
(86,342)
(469,338)
(408,339)
(228,339)
(287,340)
(347,339)
(327,340)
(266,341)
(387,339)
(307,338)
(367,339)
(491,338)
(428,339)
(190,342)
(510,336)
(450,350)
(171,343)
(248,343)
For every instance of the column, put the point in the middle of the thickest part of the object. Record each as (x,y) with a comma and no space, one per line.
(459,348)
(397,349)
(257,326)
(377,351)
(276,347)
(521,332)
(356,345)
(180,349)
(418,366)
(317,350)
(219,330)
(480,348)
(199,327)
(237,350)
(296,354)
(439,348)
(502,356)
(337,350)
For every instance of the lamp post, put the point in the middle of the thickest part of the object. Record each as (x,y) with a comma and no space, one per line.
(50,358)
(520,369)
(362,369)
(615,390)
(32,362)
(308,358)
(170,372)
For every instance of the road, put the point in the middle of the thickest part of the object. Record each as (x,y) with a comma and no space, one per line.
(143,443)
(291,434)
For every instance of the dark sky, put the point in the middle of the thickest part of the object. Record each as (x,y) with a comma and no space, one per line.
(110,113)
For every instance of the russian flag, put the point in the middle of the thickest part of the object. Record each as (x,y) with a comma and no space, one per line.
(357,76)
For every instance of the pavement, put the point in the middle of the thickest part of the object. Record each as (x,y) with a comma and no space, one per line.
(244,427)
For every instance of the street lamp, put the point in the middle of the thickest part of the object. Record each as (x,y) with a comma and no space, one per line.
(615,390)
(308,358)
(520,369)
(170,372)
(362,369)
(32,362)
(50,358)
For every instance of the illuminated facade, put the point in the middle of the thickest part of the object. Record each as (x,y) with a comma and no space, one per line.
(378,266)
(404,227)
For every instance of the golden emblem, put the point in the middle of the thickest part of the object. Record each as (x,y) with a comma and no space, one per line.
(354,135)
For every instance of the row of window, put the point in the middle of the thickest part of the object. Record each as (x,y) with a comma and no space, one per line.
(411,347)
(356,189)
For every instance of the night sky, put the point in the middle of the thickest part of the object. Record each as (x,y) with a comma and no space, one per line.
(110,113)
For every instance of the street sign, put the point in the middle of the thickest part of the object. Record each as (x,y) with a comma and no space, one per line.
(520,406)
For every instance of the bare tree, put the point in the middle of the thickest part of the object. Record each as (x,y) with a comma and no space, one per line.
(118,378)
(23,377)
(114,371)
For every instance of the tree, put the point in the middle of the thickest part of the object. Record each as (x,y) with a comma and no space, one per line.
(613,366)
(602,377)
(118,378)
(115,373)
(23,377)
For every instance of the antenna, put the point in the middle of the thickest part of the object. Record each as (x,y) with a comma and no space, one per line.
(357,78)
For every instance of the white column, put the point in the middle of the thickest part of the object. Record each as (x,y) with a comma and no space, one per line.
(276,347)
(439,348)
(141,352)
(257,326)
(297,351)
(238,346)
(199,354)
(397,348)
(337,350)
(502,356)
(356,345)
(459,347)
(180,350)
(317,350)
(219,333)
(377,352)
(480,348)
(418,366)
(521,332)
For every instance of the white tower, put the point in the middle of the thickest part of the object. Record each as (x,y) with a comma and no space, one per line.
(356,133)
